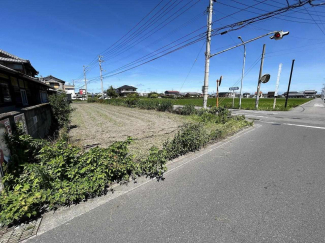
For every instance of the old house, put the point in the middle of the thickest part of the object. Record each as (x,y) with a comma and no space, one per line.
(18,84)
(55,83)
(23,101)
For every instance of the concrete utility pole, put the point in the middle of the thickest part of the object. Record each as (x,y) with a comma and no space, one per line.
(85,81)
(100,71)
(207,56)
(277,86)
(243,72)
(293,63)
(259,77)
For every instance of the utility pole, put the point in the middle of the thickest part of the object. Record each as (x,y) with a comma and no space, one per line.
(243,73)
(100,71)
(259,77)
(293,63)
(277,86)
(85,81)
(207,56)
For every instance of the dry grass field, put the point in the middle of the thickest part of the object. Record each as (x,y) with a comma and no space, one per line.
(96,124)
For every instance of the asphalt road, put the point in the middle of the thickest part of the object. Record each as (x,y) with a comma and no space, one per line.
(266,185)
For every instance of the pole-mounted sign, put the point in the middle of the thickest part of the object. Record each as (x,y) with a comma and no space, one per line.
(233,95)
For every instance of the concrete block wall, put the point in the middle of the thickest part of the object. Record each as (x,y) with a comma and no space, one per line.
(38,120)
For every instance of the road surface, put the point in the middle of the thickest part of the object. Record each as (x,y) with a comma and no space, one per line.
(266,184)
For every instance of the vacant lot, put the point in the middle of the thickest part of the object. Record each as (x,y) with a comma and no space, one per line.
(97,124)
(247,103)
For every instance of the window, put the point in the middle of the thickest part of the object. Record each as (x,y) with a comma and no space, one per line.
(4,92)
(43,97)
(24,97)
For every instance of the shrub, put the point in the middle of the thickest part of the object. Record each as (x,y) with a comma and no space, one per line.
(188,109)
(61,109)
(153,95)
(165,105)
(61,174)
(154,164)
(190,138)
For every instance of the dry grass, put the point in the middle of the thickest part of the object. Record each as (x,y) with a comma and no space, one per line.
(98,124)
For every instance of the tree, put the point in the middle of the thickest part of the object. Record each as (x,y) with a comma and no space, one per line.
(153,95)
(111,92)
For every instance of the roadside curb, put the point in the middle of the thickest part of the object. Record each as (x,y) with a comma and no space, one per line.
(63,215)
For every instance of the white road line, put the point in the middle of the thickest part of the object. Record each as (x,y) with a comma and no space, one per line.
(297,125)
(318,105)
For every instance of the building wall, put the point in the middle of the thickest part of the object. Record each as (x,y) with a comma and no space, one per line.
(16,85)
(71,91)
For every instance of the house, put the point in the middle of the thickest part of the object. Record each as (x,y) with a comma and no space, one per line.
(225,94)
(310,93)
(294,94)
(172,93)
(192,94)
(270,94)
(55,83)
(18,84)
(246,95)
(125,90)
(69,89)
(261,94)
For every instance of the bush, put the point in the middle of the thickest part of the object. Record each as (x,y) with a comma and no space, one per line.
(165,105)
(153,95)
(190,138)
(61,109)
(62,174)
(188,110)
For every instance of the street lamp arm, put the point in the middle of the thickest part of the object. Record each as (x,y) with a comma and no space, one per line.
(256,38)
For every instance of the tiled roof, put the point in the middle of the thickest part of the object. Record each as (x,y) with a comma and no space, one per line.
(12,60)
(52,78)
(11,56)
(7,57)
(24,75)
(127,87)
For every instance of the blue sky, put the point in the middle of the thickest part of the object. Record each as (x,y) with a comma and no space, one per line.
(59,37)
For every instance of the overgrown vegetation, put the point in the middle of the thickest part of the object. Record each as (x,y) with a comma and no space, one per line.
(61,109)
(135,101)
(45,175)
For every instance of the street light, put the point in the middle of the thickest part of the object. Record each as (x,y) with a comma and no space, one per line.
(243,71)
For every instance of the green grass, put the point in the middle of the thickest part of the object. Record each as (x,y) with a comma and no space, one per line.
(247,103)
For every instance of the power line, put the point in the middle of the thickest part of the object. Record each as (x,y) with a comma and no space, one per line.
(315,22)
(188,74)
(94,60)
(149,34)
(230,27)
(281,18)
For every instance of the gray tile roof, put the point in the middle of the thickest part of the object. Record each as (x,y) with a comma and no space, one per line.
(12,60)
(36,80)
(11,56)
